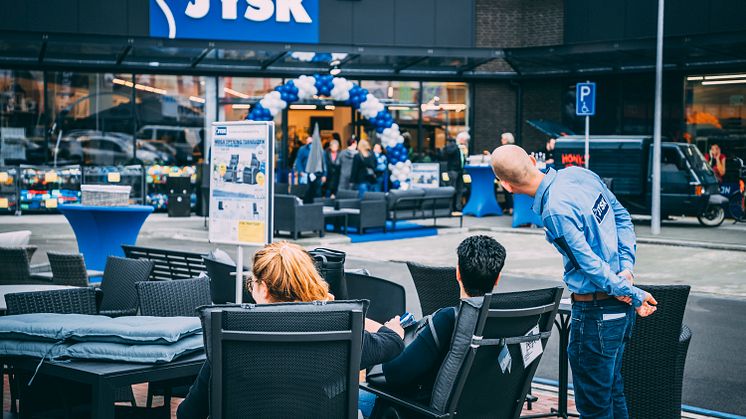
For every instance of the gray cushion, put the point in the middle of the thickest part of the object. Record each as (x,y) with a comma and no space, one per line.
(444,191)
(374,196)
(398,193)
(15,238)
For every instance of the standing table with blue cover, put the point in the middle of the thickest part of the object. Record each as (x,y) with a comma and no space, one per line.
(101,231)
(482,200)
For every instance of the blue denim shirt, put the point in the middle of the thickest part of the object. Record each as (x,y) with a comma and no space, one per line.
(591,230)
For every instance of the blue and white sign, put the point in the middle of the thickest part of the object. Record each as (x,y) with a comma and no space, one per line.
(585,99)
(234,20)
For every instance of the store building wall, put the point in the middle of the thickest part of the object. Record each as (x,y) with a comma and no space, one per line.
(542,99)
(494,108)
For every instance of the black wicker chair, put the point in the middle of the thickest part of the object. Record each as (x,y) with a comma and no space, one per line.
(658,349)
(294,359)
(69,269)
(470,381)
(436,286)
(387,299)
(223,282)
(16,268)
(169,264)
(118,285)
(171,299)
(63,301)
(295,217)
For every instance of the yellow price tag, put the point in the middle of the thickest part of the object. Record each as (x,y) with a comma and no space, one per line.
(4,203)
(445,177)
(3,177)
(260,179)
(113,177)
(50,203)
(467,178)
(251,231)
(51,176)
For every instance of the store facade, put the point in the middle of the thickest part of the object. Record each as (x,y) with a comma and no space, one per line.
(102,85)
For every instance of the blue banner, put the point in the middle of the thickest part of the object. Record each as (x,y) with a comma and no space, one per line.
(236,20)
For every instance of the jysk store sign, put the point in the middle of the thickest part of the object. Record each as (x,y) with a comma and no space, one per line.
(236,20)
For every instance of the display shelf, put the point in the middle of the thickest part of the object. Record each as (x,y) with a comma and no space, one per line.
(8,190)
(155,184)
(43,188)
(133,176)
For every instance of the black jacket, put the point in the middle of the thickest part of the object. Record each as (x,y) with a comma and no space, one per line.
(452,156)
(360,166)
(378,348)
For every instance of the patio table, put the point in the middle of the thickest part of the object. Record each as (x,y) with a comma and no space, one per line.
(101,231)
(482,200)
(105,377)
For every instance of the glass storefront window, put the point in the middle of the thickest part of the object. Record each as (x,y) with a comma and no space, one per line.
(92,117)
(445,107)
(716,115)
(171,117)
(402,98)
(22,119)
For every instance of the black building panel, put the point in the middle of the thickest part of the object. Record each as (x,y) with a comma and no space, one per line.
(52,15)
(606,18)
(102,17)
(335,21)
(138,17)
(454,23)
(727,15)
(14,16)
(415,23)
(373,22)
(576,21)
(640,19)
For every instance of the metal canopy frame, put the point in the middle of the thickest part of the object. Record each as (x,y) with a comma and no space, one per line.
(47,51)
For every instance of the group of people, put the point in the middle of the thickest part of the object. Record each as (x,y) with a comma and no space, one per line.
(358,167)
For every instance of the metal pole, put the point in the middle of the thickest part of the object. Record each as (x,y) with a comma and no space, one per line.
(587,140)
(655,224)
(239,275)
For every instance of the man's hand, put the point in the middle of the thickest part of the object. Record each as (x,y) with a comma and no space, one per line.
(323,179)
(648,306)
(626,274)
(395,325)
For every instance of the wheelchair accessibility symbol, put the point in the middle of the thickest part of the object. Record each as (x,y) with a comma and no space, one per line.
(585,99)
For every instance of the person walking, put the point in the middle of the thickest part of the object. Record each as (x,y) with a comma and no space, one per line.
(455,160)
(301,160)
(315,168)
(345,163)
(594,233)
(364,169)
(382,163)
(333,167)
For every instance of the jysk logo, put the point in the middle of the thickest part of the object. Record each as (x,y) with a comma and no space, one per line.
(600,208)
(234,20)
(221,130)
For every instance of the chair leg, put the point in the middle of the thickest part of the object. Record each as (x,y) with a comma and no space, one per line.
(149,403)
(295,235)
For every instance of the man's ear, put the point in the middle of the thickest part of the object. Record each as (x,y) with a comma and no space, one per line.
(458,273)
(507,186)
(498,279)
(533,159)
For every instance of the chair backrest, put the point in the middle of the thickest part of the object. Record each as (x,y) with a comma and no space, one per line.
(68,269)
(169,264)
(652,352)
(15,264)
(294,359)
(118,283)
(439,198)
(223,282)
(436,286)
(399,199)
(62,301)
(470,380)
(173,298)
(387,299)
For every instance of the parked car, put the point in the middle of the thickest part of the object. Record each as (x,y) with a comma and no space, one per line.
(688,185)
(182,140)
(97,148)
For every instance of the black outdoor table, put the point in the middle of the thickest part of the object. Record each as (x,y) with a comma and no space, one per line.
(105,377)
(330,212)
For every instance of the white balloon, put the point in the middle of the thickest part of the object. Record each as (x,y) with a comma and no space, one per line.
(399,165)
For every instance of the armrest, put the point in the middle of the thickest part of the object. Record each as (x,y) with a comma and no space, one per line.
(413,406)
(326,201)
(347,203)
(39,268)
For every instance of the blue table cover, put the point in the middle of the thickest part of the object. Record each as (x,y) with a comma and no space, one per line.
(482,200)
(101,231)
(522,212)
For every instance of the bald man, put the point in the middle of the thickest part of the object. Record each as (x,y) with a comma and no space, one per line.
(595,236)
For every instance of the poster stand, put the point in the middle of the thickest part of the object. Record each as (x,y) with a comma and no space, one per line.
(241,187)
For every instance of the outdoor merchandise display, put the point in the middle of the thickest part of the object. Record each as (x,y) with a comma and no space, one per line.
(156,189)
(8,190)
(43,188)
(132,176)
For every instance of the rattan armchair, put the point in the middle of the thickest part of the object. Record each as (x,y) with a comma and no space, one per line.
(436,286)
(118,285)
(69,269)
(16,268)
(63,301)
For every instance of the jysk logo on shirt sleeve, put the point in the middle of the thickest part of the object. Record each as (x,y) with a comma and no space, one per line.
(600,208)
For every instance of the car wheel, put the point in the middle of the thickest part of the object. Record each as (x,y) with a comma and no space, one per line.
(712,216)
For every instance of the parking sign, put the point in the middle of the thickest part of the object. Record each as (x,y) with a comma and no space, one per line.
(585,99)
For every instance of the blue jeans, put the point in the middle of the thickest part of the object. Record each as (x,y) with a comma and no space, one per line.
(599,331)
(362,188)
(365,402)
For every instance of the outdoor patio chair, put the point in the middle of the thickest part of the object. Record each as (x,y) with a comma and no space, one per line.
(658,349)
(16,268)
(223,282)
(387,299)
(69,269)
(296,360)
(169,264)
(62,301)
(118,285)
(171,299)
(470,382)
(295,217)
(436,286)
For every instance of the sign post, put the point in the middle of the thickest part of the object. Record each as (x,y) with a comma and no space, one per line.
(241,182)
(585,105)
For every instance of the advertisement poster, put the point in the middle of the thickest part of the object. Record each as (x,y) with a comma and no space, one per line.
(241,171)
(425,175)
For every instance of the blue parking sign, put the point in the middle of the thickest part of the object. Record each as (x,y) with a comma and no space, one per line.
(585,99)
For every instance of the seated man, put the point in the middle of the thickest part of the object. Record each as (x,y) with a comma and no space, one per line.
(413,372)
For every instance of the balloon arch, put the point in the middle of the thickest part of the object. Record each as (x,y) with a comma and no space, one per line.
(342,90)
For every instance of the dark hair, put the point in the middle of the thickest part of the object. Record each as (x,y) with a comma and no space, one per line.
(480,260)
(351,141)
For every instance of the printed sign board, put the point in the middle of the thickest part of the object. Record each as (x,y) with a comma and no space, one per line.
(234,20)
(425,175)
(585,99)
(241,179)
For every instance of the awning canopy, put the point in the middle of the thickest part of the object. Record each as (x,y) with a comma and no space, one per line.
(117,54)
